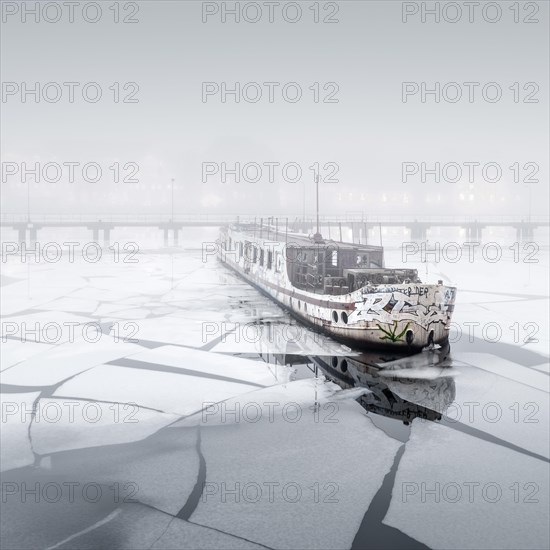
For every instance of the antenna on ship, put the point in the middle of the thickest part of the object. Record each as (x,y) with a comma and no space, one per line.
(286,232)
(317,238)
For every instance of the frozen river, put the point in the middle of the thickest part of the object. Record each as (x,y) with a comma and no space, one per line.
(161,402)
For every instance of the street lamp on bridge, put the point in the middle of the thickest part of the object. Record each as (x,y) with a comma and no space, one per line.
(172,215)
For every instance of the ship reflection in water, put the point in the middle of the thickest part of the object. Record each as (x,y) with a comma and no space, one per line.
(401,396)
(401,387)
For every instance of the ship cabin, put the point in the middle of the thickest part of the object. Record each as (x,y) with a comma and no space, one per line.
(319,266)
(332,267)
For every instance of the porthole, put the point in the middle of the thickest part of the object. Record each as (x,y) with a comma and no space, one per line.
(344,366)
(299,304)
(409,337)
(335,316)
(344,316)
(334,362)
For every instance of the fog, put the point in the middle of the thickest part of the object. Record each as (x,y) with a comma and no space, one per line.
(360,122)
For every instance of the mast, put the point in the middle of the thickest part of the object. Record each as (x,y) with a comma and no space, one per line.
(318,238)
(317,196)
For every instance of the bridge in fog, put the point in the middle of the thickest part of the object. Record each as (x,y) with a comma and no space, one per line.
(28,226)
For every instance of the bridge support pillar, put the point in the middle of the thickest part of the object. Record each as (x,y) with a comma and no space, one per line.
(474,233)
(165,231)
(524,233)
(418,232)
(106,237)
(355,233)
(22,235)
(95,235)
(361,234)
(176,236)
(32,236)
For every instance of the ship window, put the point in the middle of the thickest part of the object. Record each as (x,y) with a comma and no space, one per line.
(344,366)
(240,250)
(254,254)
(334,258)
(269,259)
(261,257)
(344,316)
(363,260)
(335,316)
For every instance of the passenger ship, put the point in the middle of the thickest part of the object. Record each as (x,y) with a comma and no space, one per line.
(341,288)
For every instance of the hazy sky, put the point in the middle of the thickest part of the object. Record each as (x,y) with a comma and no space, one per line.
(369,132)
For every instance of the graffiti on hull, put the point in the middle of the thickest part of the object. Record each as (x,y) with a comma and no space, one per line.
(391,334)
(414,304)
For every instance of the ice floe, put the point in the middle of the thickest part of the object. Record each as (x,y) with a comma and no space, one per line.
(455,491)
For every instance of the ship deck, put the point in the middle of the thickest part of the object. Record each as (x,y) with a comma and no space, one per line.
(272,233)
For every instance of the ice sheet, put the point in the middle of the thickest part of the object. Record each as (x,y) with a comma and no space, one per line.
(242,370)
(184,535)
(171,330)
(21,296)
(15,446)
(502,407)
(165,391)
(508,369)
(47,327)
(68,423)
(333,455)
(61,362)
(14,351)
(437,454)
(159,471)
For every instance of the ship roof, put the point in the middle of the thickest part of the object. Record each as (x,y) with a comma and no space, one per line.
(271,233)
